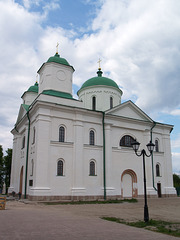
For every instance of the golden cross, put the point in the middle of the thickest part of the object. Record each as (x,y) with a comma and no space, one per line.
(57,47)
(37,78)
(99,63)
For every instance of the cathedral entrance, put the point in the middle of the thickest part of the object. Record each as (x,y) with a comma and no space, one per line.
(129,184)
(159,189)
(21,180)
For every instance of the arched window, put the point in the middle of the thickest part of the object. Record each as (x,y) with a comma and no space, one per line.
(93,103)
(111,102)
(23,142)
(157,170)
(156,145)
(92,168)
(34,135)
(91,137)
(60,168)
(61,134)
(126,141)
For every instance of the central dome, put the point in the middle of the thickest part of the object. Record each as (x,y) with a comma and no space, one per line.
(57,59)
(99,81)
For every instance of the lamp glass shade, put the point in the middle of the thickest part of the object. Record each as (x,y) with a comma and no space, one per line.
(150,146)
(135,145)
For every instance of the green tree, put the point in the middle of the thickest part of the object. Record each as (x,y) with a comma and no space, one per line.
(176,180)
(7,166)
(1,167)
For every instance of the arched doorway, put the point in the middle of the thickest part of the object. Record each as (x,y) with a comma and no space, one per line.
(21,181)
(129,184)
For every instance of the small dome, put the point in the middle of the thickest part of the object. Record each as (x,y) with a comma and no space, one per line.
(33,88)
(99,81)
(57,59)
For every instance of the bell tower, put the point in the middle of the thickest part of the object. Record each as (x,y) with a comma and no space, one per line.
(56,74)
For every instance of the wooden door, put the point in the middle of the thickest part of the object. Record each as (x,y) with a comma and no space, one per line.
(159,189)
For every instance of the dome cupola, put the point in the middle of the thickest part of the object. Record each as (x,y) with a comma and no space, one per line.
(33,88)
(100,93)
(99,80)
(29,96)
(57,59)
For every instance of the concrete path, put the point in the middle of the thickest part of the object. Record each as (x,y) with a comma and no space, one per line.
(37,221)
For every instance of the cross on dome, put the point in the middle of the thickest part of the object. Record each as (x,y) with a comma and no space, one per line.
(57,48)
(99,63)
(37,78)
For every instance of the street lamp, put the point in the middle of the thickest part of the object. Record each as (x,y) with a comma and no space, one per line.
(150,147)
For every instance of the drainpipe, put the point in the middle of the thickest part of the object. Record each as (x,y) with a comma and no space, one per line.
(27,154)
(152,158)
(104,158)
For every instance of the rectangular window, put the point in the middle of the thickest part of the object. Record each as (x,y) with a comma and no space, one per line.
(30,183)
(94,103)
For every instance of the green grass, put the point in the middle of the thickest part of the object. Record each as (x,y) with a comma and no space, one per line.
(169,228)
(92,202)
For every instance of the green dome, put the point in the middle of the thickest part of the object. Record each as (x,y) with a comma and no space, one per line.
(58,59)
(99,81)
(33,88)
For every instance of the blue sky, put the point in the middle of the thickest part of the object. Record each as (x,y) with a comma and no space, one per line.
(138,42)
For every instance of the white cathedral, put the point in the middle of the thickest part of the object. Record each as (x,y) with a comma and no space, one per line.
(69,149)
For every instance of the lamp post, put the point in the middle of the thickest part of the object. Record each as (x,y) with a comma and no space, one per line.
(143,153)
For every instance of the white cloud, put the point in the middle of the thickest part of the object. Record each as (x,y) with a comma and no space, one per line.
(138,42)
(46,5)
(142,39)
(175,112)
(20,33)
(175,144)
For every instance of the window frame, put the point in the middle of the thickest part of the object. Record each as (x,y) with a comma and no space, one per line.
(92,137)
(23,142)
(92,168)
(60,168)
(62,134)
(94,103)
(126,141)
(158,171)
(111,102)
(156,145)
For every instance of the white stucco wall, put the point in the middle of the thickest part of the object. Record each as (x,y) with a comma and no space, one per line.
(55,76)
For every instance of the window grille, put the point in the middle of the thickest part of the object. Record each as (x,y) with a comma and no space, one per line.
(92,168)
(126,141)
(61,134)
(91,137)
(60,168)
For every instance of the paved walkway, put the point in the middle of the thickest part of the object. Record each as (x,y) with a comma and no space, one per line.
(37,221)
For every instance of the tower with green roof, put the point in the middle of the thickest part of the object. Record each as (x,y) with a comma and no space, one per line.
(29,95)
(100,93)
(56,75)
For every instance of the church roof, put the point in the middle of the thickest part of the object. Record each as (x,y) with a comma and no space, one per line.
(33,88)
(99,81)
(57,94)
(57,59)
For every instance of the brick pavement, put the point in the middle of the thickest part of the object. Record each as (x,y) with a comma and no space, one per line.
(36,221)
